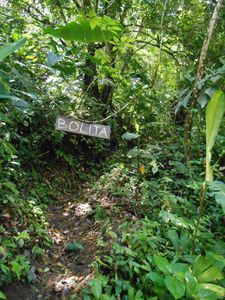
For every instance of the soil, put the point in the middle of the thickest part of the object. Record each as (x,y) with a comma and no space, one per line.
(61,273)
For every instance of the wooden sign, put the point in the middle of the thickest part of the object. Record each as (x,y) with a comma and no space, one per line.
(75,126)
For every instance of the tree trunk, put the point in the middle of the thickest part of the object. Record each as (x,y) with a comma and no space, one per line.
(200,71)
(90,84)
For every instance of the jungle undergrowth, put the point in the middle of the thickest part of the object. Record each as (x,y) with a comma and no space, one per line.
(154,254)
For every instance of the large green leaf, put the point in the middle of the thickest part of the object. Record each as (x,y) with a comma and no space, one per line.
(163,264)
(206,294)
(173,236)
(207,269)
(210,275)
(214,114)
(2,296)
(88,30)
(219,290)
(175,286)
(96,288)
(9,48)
(191,284)
(156,278)
(218,191)
(200,265)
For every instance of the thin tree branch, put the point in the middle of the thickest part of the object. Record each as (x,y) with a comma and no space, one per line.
(170,52)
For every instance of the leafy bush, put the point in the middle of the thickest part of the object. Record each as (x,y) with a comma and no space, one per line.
(153,261)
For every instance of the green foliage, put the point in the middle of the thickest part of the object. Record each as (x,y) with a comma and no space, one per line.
(214,114)
(175,286)
(132,76)
(96,288)
(218,191)
(2,296)
(96,29)
(9,48)
(138,266)
(151,258)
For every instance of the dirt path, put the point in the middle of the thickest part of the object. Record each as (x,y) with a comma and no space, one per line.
(63,273)
(71,221)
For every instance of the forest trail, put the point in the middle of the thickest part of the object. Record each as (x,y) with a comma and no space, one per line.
(63,271)
(71,221)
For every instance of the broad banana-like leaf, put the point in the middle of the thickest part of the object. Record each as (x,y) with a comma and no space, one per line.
(214,115)
(88,30)
(9,48)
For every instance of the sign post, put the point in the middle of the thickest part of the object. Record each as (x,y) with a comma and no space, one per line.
(76,126)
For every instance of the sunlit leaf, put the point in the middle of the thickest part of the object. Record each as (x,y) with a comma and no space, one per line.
(214,114)
(9,48)
(191,284)
(201,264)
(175,286)
(206,294)
(219,290)
(96,288)
(2,296)
(16,268)
(83,30)
(162,264)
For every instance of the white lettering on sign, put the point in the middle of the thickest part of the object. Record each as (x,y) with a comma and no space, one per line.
(96,129)
(61,124)
(103,132)
(75,126)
